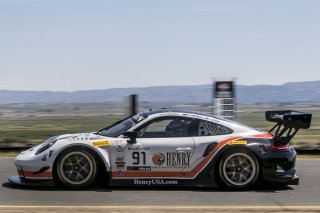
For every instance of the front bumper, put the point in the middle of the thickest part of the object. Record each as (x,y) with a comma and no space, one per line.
(31,166)
(34,172)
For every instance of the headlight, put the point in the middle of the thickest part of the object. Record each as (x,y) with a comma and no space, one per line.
(47,144)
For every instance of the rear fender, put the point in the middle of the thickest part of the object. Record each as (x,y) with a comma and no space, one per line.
(255,148)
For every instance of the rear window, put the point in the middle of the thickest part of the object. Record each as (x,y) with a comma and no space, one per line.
(207,128)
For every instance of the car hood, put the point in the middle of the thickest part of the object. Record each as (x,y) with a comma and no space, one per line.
(81,136)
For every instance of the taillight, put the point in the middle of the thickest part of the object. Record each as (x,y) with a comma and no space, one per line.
(279,148)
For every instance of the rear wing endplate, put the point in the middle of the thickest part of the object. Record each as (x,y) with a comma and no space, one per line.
(288,123)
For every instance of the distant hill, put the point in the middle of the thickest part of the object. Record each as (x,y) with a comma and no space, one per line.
(287,93)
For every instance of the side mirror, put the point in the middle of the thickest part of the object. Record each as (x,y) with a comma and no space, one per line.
(132,135)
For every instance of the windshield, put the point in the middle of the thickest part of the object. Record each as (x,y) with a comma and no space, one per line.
(119,128)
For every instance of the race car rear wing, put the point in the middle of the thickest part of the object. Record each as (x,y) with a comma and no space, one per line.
(286,121)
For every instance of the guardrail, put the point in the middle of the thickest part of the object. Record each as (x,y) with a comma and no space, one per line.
(306,150)
(14,148)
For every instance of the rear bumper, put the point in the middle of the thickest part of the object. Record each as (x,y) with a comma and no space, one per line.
(279,167)
(294,181)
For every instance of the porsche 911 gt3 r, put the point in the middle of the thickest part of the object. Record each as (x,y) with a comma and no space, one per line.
(167,147)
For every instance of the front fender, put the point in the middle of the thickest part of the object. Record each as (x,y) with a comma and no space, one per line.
(101,153)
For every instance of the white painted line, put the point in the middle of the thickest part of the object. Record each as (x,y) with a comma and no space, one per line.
(171,207)
(310,159)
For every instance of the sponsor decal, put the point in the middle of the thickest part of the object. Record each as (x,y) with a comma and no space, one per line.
(44,158)
(96,138)
(120,149)
(100,143)
(158,159)
(120,158)
(169,113)
(120,170)
(191,116)
(178,159)
(154,182)
(172,159)
(139,117)
(120,146)
(239,142)
(139,168)
(121,142)
(279,169)
(139,148)
(120,162)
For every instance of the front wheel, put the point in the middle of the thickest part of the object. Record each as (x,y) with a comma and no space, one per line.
(76,168)
(238,169)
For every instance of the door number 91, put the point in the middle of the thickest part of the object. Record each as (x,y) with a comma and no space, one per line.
(137,156)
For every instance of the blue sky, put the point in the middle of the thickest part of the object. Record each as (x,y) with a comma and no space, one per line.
(78,45)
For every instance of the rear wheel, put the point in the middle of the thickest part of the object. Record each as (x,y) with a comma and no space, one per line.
(238,169)
(76,168)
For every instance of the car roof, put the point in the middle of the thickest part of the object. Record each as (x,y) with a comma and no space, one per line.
(200,115)
(164,110)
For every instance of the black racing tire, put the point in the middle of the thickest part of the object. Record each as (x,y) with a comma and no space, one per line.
(76,168)
(238,169)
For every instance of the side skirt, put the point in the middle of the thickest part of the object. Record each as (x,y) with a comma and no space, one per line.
(202,180)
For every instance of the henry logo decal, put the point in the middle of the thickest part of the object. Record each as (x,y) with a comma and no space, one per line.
(172,159)
(158,159)
(100,143)
(178,159)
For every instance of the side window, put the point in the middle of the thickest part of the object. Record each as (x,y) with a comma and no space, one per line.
(165,127)
(208,129)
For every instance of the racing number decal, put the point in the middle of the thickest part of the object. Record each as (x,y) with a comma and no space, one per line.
(136,158)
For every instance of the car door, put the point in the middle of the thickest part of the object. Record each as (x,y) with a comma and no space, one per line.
(206,135)
(163,148)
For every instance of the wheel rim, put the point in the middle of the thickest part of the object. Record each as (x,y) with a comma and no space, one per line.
(76,168)
(239,169)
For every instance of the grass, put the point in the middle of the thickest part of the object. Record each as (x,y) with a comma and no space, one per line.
(254,116)
(301,157)
(34,123)
(9,154)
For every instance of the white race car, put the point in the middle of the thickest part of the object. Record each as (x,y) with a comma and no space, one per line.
(167,147)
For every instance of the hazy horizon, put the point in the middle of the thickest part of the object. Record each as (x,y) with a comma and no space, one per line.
(141,87)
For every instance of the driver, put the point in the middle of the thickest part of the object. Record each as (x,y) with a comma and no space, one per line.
(176,128)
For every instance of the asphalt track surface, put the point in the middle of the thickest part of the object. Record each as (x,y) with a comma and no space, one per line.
(302,198)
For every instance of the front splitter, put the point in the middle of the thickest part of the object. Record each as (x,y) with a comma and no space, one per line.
(17,180)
